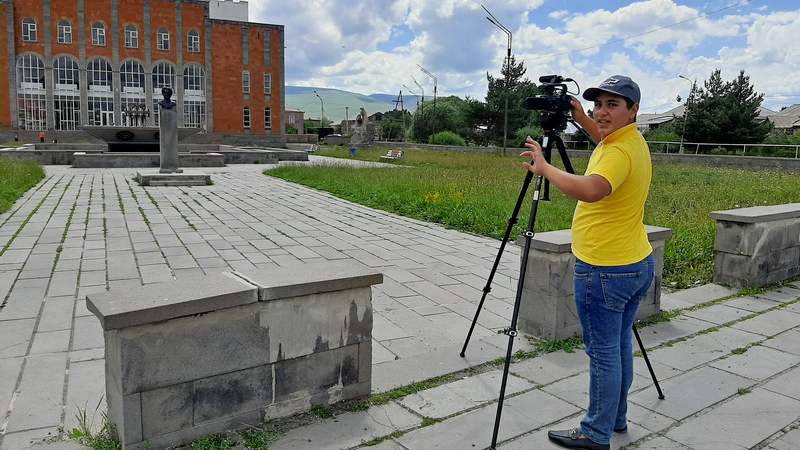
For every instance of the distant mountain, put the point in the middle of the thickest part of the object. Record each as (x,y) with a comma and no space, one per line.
(335,100)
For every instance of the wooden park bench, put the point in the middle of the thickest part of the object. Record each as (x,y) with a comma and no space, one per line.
(393,154)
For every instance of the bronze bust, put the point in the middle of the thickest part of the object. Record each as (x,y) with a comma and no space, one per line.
(166,103)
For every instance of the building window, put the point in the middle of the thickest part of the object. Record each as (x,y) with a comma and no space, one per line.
(132,100)
(29,29)
(246,81)
(193,78)
(101,99)
(131,37)
(66,95)
(268,83)
(98,34)
(132,76)
(194,42)
(194,96)
(267,119)
(163,39)
(163,76)
(246,118)
(31,105)
(64,32)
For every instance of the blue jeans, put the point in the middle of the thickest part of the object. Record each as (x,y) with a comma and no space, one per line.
(607,299)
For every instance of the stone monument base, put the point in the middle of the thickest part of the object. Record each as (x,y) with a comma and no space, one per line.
(173,179)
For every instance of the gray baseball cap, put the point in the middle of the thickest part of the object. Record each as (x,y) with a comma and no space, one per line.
(618,85)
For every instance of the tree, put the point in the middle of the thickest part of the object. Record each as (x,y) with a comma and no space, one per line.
(450,115)
(725,112)
(520,88)
(392,124)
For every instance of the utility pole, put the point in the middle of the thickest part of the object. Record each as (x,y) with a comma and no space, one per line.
(491,18)
(399,101)
(346,120)
(322,106)
(686,109)
(435,82)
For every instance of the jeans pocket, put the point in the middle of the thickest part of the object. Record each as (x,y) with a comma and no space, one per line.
(619,288)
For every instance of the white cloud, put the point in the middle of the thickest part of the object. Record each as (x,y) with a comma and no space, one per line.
(335,43)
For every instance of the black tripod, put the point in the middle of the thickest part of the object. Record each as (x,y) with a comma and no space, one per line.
(548,140)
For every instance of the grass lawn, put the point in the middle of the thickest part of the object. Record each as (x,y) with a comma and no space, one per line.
(476,193)
(16,177)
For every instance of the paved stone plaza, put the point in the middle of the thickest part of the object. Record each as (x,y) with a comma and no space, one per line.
(87,230)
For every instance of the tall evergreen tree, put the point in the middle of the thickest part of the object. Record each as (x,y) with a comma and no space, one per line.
(519,89)
(725,112)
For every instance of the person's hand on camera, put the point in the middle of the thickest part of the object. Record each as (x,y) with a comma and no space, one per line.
(577,108)
(536,155)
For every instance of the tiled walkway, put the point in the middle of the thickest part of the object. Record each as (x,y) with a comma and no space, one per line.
(84,231)
(730,366)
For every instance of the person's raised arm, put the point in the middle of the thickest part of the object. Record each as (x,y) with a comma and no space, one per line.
(586,122)
(588,189)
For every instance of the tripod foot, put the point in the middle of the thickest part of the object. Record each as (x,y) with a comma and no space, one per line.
(661,397)
(462,354)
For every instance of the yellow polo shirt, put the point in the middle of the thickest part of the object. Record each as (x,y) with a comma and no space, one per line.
(610,232)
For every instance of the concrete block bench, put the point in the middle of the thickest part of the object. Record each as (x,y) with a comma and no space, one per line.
(548,298)
(207,354)
(757,246)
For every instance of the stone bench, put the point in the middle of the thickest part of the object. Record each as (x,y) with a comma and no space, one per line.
(547,308)
(757,246)
(207,354)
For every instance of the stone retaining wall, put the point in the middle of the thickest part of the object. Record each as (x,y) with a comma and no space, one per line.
(204,355)
(547,308)
(123,160)
(757,246)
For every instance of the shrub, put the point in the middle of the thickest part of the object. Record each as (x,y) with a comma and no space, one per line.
(522,134)
(446,138)
(662,135)
(290,129)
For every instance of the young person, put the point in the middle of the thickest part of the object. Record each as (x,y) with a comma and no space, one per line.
(614,266)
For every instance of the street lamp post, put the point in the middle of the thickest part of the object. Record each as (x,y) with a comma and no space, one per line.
(422,103)
(435,81)
(686,110)
(491,18)
(322,112)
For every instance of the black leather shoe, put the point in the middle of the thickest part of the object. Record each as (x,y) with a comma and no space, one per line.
(621,430)
(572,439)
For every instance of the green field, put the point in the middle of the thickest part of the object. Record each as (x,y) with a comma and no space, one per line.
(16,177)
(476,193)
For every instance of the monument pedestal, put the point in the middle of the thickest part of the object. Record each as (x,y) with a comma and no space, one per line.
(173,179)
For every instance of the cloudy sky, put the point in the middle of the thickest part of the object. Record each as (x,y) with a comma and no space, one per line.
(374,46)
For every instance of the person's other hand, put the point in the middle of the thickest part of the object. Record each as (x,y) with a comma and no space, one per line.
(536,154)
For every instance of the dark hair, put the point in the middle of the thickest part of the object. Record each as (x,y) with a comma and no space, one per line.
(628,102)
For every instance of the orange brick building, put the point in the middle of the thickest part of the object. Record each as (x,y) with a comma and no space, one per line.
(71,63)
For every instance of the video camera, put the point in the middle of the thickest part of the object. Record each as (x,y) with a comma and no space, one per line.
(554,102)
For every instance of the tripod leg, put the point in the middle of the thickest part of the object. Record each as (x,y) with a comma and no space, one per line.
(647,361)
(512,330)
(562,151)
(488,288)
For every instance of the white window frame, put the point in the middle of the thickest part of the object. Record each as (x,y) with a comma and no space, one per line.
(267,118)
(193,42)
(162,39)
(98,34)
(267,83)
(131,37)
(29,33)
(246,81)
(246,117)
(64,32)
